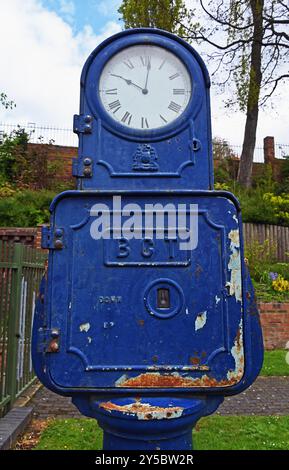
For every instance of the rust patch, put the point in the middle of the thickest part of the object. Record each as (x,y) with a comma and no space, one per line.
(198,271)
(157,380)
(144,411)
(141,322)
(194,360)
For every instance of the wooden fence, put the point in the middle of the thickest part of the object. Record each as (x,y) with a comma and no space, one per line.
(278,238)
(21,269)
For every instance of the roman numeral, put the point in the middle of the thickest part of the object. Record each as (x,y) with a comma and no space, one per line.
(178,91)
(164,119)
(113,91)
(128,63)
(114,105)
(126,116)
(172,77)
(145,60)
(144,123)
(174,107)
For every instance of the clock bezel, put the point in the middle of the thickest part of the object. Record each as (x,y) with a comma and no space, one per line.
(92,78)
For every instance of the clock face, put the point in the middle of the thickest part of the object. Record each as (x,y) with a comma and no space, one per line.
(145,87)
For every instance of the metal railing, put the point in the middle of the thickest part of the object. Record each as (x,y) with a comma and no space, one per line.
(21,270)
(42,134)
(64,136)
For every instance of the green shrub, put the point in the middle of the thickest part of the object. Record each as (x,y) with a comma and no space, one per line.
(260,259)
(25,208)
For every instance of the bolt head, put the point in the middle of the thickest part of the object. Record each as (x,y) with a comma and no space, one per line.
(54,346)
(58,232)
(87,161)
(58,244)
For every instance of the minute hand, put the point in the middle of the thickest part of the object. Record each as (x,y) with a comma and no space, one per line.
(129,82)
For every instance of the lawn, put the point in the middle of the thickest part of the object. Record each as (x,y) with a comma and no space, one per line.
(212,433)
(275,363)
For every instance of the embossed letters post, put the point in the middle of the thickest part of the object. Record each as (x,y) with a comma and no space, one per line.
(147,316)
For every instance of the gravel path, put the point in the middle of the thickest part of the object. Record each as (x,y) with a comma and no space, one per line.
(267,396)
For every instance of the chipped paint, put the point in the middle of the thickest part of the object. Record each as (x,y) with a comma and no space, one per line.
(235,218)
(157,380)
(84,327)
(234,266)
(108,324)
(187,311)
(201,320)
(89,339)
(237,352)
(144,411)
(217,299)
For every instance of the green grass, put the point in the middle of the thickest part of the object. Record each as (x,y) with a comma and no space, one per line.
(212,433)
(242,433)
(265,293)
(275,364)
(71,434)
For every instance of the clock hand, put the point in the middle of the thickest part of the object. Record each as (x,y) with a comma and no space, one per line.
(129,82)
(145,90)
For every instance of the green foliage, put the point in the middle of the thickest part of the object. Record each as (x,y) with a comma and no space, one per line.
(265,293)
(25,208)
(30,166)
(283,186)
(281,268)
(280,207)
(163,14)
(12,154)
(269,277)
(8,104)
(260,258)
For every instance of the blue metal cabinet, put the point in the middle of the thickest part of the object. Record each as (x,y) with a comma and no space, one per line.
(149,318)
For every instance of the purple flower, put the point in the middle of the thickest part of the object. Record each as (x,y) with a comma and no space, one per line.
(273,276)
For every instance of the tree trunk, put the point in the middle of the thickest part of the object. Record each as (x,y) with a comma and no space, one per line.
(246,161)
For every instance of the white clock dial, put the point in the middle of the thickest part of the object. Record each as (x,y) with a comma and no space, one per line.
(145,87)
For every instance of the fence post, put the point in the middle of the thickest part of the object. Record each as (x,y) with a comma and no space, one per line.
(13,325)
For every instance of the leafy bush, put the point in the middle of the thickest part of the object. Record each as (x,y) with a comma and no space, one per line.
(25,208)
(280,207)
(260,259)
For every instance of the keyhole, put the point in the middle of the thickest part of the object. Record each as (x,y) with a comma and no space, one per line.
(163,298)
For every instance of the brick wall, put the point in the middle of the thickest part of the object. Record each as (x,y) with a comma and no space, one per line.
(274,316)
(28,236)
(275,324)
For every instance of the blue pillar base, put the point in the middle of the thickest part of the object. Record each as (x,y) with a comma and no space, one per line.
(147,423)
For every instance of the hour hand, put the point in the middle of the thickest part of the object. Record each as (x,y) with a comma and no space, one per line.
(129,82)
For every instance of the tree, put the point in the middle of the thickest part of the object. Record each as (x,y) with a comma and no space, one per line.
(5,102)
(252,53)
(163,14)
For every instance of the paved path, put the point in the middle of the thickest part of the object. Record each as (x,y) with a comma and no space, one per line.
(267,396)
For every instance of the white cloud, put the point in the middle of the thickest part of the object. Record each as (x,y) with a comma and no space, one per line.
(106,7)
(41,62)
(67,8)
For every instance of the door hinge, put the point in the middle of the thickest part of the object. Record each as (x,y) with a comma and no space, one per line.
(52,239)
(82,124)
(48,340)
(82,167)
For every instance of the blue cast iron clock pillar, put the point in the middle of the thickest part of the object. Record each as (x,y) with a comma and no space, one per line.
(147,316)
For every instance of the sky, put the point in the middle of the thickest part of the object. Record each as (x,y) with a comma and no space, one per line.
(43,47)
